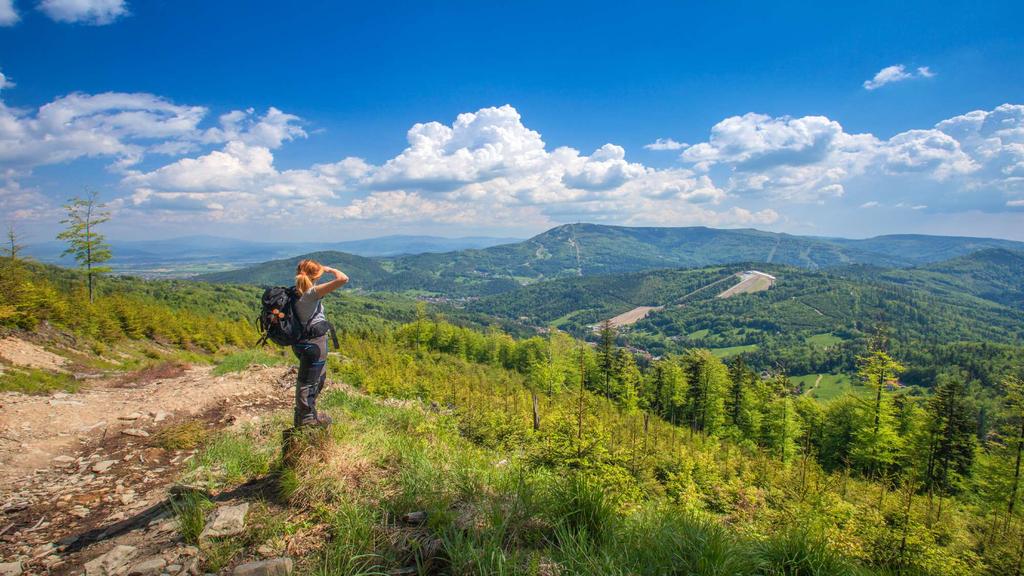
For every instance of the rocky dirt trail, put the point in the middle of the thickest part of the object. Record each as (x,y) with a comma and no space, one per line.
(83,487)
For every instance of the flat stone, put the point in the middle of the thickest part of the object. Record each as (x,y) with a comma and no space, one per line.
(43,550)
(110,563)
(190,566)
(272,567)
(227,521)
(10,569)
(415,518)
(137,432)
(148,567)
(173,568)
(132,416)
(159,416)
(103,466)
(64,459)
(12,507)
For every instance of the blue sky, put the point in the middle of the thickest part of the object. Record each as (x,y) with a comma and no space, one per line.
(344,121)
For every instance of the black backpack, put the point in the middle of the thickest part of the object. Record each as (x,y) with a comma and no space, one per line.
(279,322)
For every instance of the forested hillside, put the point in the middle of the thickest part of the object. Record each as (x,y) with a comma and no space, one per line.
(967,299)
(574,250)
(919,249)
(992,274)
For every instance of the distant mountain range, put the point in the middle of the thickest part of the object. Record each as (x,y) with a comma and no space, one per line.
(593,250)
(206,249)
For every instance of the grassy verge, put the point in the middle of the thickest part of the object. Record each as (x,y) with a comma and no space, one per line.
(487,512)
(241,360)
(34,381)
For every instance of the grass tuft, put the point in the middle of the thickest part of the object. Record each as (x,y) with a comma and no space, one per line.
(190,508)
(184,436)
(241,360)
(35,381)
(581,507)
(230,459)
(798,553)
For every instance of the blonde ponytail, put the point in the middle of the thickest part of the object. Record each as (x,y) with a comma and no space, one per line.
(306,273)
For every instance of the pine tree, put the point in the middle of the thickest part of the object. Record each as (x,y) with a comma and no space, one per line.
(664,390)
(877,444)
(12,248)
(627,378)
(606,356)
(1015,435)
(88,246)
(739,400)
(843,419)
(781,428)
(707,381)
(950,428)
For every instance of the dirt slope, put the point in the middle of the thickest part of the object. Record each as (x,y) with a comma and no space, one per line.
(79,475)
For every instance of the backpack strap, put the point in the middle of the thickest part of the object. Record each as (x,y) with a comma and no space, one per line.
(266,332)
(334,335)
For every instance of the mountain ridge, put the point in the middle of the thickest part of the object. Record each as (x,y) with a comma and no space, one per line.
(592,250)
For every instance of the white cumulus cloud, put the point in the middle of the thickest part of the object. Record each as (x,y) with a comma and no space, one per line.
(94,12)
(792,158)
(485,167)
(124,127)
(489,168)
(973,159)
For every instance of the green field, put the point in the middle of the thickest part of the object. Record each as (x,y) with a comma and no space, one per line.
(830,387)
(561,321)
(824,340)
(733,350)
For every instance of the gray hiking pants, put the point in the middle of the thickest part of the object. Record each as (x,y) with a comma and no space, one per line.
(312,355)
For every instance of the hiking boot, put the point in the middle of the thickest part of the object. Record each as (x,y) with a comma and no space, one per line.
(319,419)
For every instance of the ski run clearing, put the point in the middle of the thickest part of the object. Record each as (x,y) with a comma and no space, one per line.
(633,316)
(750,281)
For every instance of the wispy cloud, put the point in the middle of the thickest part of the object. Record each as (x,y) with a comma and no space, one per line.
(8,15)
(896,73)
(665,144)
(5,82)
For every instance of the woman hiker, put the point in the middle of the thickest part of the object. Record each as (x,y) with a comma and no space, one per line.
(312,350)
